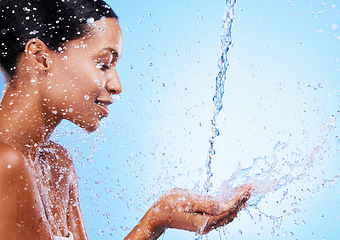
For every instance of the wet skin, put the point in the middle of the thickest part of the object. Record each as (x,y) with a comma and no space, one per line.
(77,84)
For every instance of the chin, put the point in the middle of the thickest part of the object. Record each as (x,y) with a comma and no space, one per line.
(89,127)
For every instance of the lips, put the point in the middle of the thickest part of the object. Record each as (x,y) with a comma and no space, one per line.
(103,107)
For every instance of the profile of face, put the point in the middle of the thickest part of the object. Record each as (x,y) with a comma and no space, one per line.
(81,78)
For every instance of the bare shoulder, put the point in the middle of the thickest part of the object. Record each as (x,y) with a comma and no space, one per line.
(6,151)
(21,210)
(10,159)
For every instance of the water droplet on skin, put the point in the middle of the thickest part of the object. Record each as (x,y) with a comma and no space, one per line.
(182,199)
(9,166)
(98,82)
(86,97)
(54,111)
(70,110)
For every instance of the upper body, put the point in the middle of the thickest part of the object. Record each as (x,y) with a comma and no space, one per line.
(41,199)
(66,69)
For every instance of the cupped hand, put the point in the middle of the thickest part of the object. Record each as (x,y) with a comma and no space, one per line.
(181,209)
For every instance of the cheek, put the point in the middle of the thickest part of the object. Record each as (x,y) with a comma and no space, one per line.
(78,83)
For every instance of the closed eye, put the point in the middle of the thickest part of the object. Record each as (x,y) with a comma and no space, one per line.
(102,66)
(107,58)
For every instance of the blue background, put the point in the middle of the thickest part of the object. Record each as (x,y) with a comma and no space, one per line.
(282,86)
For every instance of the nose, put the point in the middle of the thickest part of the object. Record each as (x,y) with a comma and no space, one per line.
(113,85)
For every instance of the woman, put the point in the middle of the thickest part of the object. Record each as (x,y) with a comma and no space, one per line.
(60,61)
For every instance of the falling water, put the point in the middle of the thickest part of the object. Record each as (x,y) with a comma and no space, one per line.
(273,173)
(223,64)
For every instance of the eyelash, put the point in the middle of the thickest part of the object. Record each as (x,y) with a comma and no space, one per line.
(103,67)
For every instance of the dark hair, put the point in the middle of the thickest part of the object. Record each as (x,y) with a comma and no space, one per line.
(52,21)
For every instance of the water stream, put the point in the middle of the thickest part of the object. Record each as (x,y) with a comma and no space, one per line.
(223,63)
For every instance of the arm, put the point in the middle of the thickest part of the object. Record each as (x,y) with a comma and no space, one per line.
(181,210)
(21,210)
(147,228)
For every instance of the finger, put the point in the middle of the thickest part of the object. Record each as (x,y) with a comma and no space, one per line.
(206,206)
(216,222)
(222,220)
(240,198)
(193,222)
(235,205)
(228,217)
(204,223)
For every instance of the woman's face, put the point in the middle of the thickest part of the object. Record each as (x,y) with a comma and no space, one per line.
(83,77)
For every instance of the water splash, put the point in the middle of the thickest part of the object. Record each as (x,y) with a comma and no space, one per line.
(276,174)
(223,63)
(269,174)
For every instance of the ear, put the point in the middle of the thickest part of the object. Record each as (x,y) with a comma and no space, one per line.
(37,54)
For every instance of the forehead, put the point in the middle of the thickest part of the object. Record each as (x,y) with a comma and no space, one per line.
(104,34)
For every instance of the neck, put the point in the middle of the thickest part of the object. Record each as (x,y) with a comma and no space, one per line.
(25,123)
